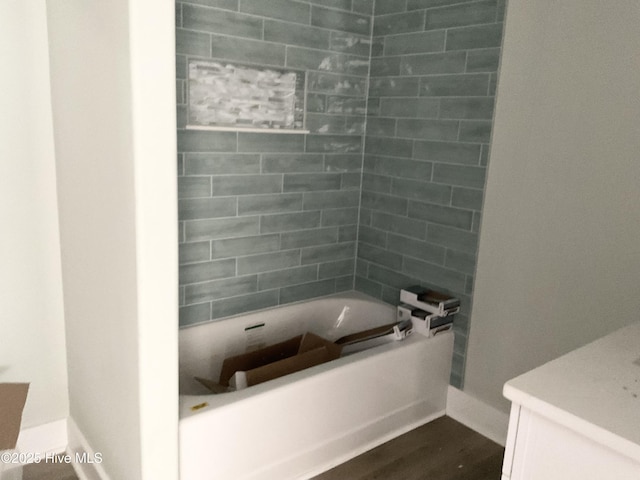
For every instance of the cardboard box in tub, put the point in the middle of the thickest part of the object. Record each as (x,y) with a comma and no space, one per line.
(272,362)
(298,353)
(12,399)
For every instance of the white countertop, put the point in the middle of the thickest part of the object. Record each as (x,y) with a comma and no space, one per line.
(594,390)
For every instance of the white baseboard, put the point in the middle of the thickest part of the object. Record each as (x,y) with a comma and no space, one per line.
(477,415)
(79,448)
(44,439)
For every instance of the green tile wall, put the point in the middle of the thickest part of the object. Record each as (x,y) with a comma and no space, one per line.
(433,74)
(267,219)
(385,191)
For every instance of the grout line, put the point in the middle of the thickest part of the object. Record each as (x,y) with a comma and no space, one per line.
(275,19)
(364,141)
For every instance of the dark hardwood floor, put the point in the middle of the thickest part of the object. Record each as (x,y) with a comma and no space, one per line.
(440,450)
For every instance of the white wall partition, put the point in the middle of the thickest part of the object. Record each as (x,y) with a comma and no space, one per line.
(114,119)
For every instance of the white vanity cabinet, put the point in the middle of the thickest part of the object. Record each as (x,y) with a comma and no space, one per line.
(578,417)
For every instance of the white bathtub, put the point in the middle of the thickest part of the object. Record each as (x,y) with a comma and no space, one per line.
(298,426)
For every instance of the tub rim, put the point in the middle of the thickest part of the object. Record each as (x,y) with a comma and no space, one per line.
(347,294)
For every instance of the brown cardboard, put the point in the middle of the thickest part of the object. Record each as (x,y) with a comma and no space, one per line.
(211,385)
(313,350)
(12,399)
(367,334)
(276,361)
(311,342)
(258,358)
(287,366)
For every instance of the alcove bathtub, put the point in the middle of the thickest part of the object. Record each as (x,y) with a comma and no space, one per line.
(300,425)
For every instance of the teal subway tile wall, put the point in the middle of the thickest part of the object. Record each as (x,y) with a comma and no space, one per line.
(433,73)
(384,191)
(267,219)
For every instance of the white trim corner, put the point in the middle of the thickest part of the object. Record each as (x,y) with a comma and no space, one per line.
(79,447)
(477,415)
(49,438)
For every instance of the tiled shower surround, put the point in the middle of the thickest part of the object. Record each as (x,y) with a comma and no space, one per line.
(269,219)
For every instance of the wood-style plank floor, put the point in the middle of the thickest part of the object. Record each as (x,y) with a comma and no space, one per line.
(49,471)
(440,450)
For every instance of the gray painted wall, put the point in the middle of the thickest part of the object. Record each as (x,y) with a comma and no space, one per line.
(559,261)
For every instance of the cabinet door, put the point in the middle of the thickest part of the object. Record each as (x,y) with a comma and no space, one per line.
(512,434)
(545,450)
